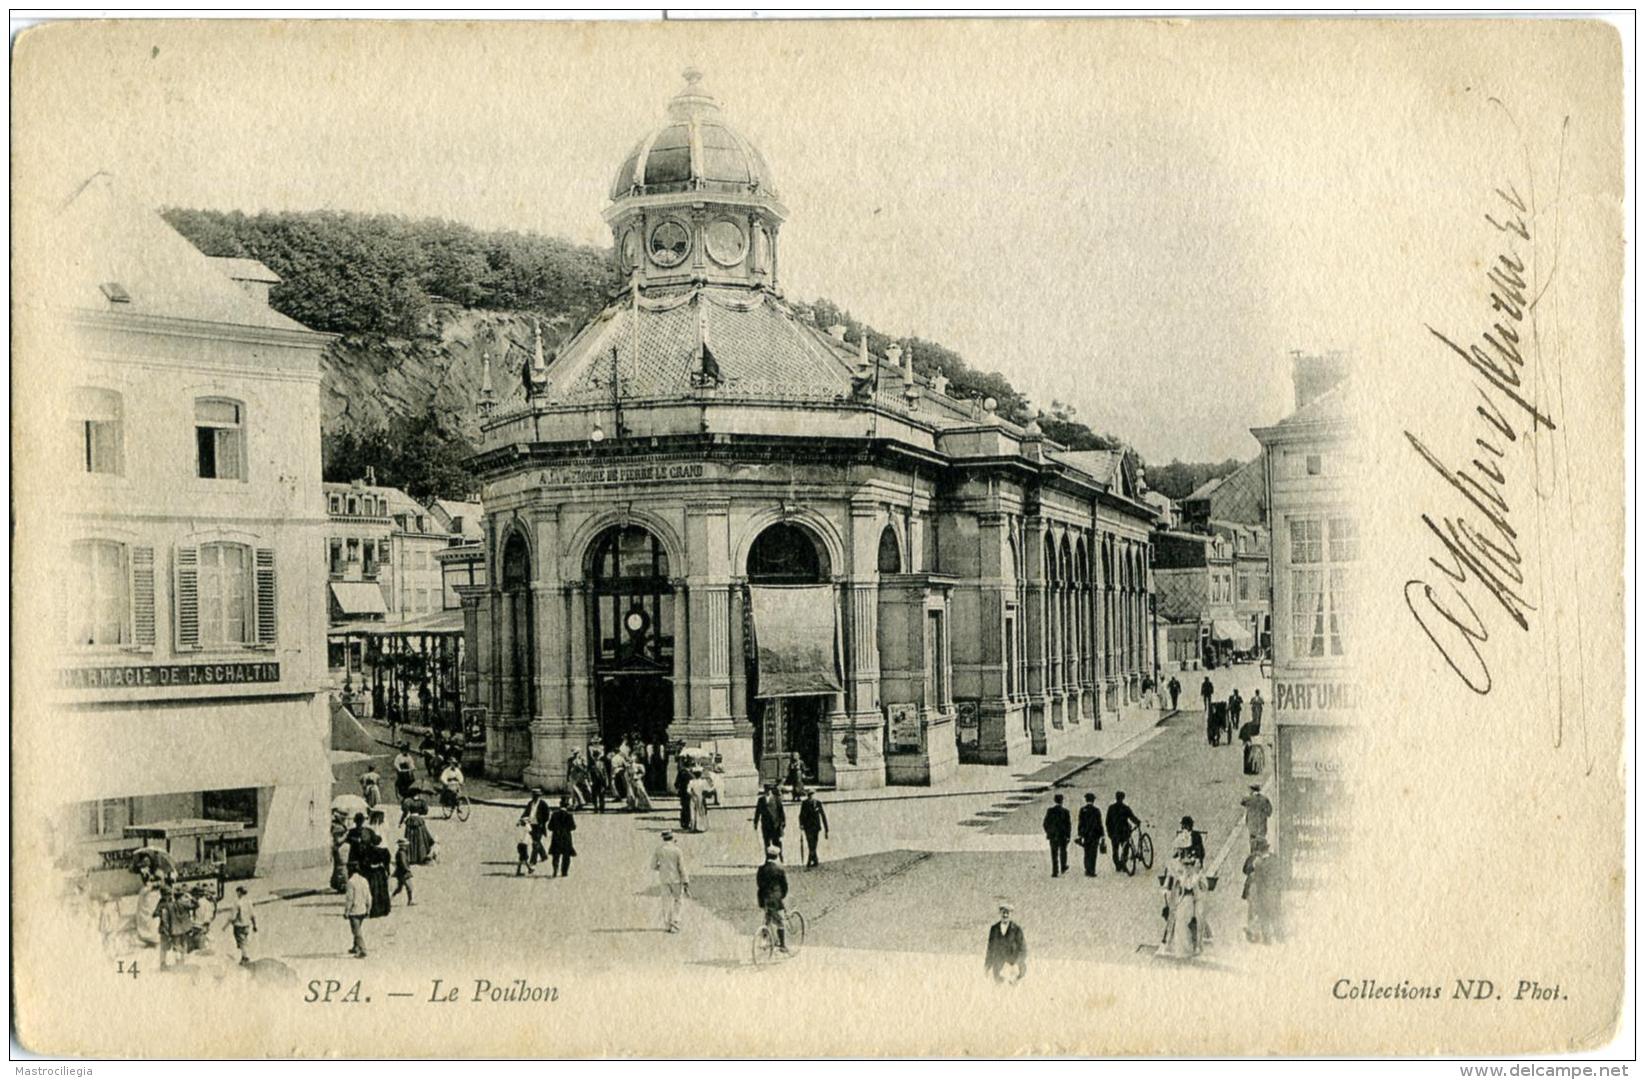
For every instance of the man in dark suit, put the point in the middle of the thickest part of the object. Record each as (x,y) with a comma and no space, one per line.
(561,824)
(1059,828)
(1120,823)
(1089,832)
(770,818)
(599,780)
(1006,948)
(813,822)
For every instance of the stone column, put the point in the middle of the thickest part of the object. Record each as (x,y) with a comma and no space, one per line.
(1037,669)
(853,753)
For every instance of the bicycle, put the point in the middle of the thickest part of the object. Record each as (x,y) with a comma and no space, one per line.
(765,939)
(1139,847)
(460,806)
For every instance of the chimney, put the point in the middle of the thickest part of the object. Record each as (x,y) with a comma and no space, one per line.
(371,475)
(837,332)
(939,383)
(1314,374)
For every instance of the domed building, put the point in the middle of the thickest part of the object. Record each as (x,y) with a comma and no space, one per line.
(713,526)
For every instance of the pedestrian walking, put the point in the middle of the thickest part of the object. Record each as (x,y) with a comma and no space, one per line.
(522,847)
(770,818)
(175,913)
(1261,917)
(357,909)
(356,845)
(682,788)
(795,776)
(339,848)
(371,789)
(536,815)
(560,849)
(813,821)
(1257,705)
(243,921)
(1175,688)
(1089,833)
(576,771)
(668,862)
(1059,827)
(1186,929)
(419,840)
(599,780)
(1006,948)
(1120,821)
(375,868)
(636,787)
(402,871)
(1258,809)
(1236,705)
(405,772)
(699,801)
(1206,690)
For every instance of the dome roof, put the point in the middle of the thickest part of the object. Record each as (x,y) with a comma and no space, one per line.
(696,150)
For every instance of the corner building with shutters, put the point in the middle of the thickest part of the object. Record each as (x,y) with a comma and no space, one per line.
(713,525)
(186,629)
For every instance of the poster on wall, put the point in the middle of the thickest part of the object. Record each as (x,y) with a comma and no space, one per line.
(906,732)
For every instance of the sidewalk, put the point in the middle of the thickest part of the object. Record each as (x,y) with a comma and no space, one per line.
(1078,750)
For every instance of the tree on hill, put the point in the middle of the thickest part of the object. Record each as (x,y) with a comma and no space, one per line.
(417,454)
(1179,479)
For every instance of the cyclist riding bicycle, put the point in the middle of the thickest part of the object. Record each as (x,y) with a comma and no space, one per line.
(771,886)
(451,784)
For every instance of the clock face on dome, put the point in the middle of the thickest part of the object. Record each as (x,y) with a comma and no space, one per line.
(725,243)
(669,244)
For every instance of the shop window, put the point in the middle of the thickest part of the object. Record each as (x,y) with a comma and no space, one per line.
(107,818)
(97,431)
(219,436)
(232,804)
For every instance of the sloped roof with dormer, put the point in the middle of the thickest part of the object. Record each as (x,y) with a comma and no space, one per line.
(116,255)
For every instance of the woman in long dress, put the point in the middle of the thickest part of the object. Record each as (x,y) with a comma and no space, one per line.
(636,787)
(699,801)
(375,866)
(339,830)
(1186,930)
(419,841)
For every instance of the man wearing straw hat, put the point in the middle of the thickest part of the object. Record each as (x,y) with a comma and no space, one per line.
(1006,948)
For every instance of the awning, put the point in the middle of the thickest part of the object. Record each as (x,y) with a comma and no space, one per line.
(358,598)
(432,624)
(794,631)
(1232,631)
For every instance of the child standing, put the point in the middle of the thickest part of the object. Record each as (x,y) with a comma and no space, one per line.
(244,922)
(402,871)
(522,847)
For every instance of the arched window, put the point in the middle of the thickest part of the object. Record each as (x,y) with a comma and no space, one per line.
(633,601)
(890,558)
(219,439)
(786,554)
(516,563)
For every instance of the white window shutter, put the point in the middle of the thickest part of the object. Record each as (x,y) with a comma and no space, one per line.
(186,593)
(268,598)
(142,598)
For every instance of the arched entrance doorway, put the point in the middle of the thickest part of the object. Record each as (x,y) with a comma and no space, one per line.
(786,556)
(632,622)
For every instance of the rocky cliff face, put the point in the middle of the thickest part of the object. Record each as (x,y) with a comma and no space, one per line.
(367,383)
